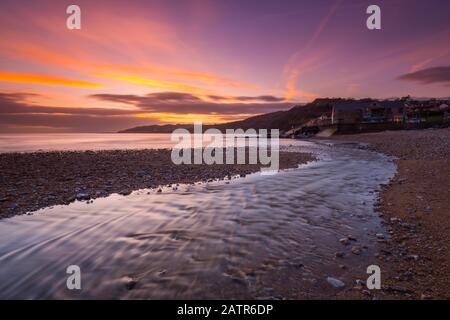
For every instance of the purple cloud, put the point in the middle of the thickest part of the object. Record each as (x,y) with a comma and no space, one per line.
(429,75)
(186,103)
(17,113)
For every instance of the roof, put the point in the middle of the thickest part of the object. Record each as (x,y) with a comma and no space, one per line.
(353,105)
(392,104)
(350,105)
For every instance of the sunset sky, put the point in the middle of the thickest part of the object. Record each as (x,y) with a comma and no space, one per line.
(169,61)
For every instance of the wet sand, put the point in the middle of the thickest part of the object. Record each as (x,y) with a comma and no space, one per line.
(415,207)
(31,181)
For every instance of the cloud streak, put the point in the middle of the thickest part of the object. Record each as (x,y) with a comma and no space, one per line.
(429,75)
(45,79)
(175,102)
(18,112)
(266,98)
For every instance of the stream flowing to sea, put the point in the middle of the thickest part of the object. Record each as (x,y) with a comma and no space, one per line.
(259,237)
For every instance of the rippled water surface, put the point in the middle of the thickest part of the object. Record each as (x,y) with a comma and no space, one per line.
(257,237)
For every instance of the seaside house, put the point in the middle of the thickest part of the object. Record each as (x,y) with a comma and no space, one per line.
(429,112)
(368,111)
(394,111)
(347,112)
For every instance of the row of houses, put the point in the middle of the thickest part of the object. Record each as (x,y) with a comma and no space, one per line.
(397,111)
(367,115)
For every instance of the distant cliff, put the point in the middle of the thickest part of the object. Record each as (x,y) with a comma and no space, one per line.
(282,120)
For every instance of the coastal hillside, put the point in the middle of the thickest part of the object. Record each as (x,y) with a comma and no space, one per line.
(282,120)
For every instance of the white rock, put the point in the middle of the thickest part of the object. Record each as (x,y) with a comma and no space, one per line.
(335,282)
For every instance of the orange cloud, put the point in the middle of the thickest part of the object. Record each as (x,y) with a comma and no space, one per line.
(157,76)
(104,47)
(299,64)
(156,84)
(169,117)
(44,79)
(200,77)
(292,90)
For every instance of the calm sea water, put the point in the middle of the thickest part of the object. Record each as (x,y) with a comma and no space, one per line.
(82,141)
(89,141)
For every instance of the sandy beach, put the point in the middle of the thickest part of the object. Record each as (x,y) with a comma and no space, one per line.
(30,181)
(415,207)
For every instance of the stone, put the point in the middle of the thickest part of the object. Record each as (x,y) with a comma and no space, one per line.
(268,290)
(131,284)
(162,272)
(266,298)
(335,282)
(125,192)
(398,289)
(83,196)
(425,297)
(296,264)
(413,257)
(356,250)
(359,284)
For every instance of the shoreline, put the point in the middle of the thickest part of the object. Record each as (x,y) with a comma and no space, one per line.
(32,181)
(301,228)
(414,206)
